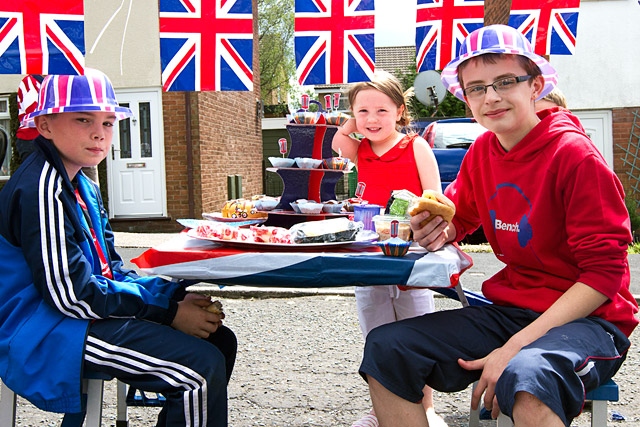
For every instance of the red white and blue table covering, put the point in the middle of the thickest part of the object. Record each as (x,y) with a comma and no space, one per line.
(185,257)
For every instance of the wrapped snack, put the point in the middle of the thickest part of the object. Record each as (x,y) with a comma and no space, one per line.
(245,235)
(399,202)
(350,203)
(271,234)
(328,230)
(214,230)
(267,203)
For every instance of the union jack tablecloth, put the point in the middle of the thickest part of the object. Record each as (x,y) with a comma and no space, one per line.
(187,258)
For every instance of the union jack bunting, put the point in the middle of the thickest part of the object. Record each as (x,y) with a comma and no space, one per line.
(334,41)
(441,26)
(42,37)
(550,25)
(206,45)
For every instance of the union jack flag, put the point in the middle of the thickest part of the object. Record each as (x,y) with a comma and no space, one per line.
(206,45)
(42,37)
(550,25)
(334,41)
(441,27)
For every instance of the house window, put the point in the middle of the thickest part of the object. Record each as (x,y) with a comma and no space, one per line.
(5,142)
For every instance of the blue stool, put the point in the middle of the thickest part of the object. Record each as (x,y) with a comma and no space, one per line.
(139,398)
(607,392)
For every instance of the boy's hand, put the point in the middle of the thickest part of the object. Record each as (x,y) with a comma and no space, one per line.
(193,319)
(492,367)
(434,234)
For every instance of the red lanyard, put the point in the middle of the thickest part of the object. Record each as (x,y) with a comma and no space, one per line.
(104,265)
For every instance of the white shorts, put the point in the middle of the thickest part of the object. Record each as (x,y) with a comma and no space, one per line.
(378,305)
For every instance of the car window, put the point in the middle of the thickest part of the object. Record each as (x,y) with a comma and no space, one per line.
(456,135)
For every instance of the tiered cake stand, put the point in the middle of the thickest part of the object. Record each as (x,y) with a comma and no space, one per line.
(311,141)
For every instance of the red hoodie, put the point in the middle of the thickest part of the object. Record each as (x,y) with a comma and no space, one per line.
(553,212)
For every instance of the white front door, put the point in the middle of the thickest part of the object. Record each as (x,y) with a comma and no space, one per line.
(136,165)
(598,125)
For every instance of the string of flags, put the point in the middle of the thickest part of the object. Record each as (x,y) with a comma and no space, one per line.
(207,45)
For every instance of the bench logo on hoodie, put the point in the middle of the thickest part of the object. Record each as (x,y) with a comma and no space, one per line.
(510,195)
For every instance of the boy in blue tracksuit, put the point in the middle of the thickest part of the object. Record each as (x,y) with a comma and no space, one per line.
(67,305)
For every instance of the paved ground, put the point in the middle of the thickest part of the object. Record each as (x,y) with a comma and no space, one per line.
(299,354)
(297,367)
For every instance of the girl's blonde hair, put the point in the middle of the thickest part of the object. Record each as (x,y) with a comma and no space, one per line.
(388,84)
(557,97)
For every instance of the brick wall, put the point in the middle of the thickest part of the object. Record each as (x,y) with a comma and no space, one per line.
(230,143)
(226,140)
(175,153)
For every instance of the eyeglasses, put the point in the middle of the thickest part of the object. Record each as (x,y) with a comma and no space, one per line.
(500,86)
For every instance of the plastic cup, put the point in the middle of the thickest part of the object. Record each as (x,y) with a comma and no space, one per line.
(365,214)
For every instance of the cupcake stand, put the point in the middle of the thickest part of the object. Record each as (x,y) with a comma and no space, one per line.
(318,184)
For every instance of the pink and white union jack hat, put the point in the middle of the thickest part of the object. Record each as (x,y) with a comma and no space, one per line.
(496,39)
(90,92)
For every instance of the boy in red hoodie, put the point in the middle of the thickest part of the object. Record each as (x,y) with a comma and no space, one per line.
(554,213)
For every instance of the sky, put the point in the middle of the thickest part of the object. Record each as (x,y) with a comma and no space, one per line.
(395,22)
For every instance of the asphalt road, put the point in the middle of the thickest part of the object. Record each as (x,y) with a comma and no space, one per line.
(298,357)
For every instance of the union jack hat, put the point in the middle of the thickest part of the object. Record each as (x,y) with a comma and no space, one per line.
(496,39)
(90,92)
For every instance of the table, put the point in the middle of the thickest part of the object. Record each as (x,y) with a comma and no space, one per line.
(185,257)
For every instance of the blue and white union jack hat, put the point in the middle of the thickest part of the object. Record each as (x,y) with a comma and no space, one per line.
(90,92)
(496,39)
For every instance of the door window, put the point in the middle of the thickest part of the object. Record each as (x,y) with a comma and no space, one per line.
(144,115)
(125,136)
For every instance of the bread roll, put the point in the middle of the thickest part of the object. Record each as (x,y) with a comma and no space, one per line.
(437,204)
(215,307)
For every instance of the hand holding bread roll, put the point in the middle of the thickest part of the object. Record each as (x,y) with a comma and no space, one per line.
(437,204)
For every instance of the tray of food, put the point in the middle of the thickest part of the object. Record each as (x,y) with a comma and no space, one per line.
(315,235)
(249,245)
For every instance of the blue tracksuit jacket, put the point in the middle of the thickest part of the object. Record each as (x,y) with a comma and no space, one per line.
(51,285)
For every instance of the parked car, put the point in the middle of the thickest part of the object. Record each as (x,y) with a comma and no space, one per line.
(450,139)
